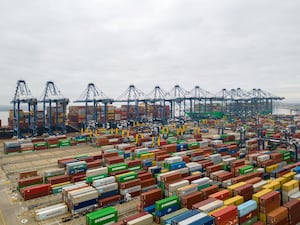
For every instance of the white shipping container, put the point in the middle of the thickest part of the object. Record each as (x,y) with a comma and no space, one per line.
(173,159)
(202,181)
(258,186)
(203,144)
(211,206)
(183,153)
(186,190)
(143,220)
(50,212)
(173,187)
(228,161)
(104,181)
(84,197)
(192,219)
(263,158)
(97,171)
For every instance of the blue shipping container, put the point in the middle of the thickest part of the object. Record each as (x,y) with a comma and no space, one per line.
(177,165)
(85,204)
(108,194)
(247,207)
(150,209)
(167,210)
(297,169)
(182,146)
(182,216)
(208,220)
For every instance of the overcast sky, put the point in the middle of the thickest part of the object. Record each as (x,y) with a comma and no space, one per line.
(213,44)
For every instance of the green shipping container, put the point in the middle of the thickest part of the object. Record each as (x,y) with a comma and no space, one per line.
(193,144)
(117,167)
(246,169)
(103,216)
(203,186)
(39,144)
(53,146)
(96,177)
(127,177)
(134,168)
(57,190)
(64,142)
(166,202)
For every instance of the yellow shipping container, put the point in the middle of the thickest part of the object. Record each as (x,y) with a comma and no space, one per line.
(273,185)
(234,186)
(263,218)
(269,169)
(164,171)
(257,195)
(289,176)
(281,180)
(147,156)
(288,186)
(236,200)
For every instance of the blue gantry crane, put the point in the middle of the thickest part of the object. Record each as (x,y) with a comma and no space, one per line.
(94,95)
(21,123)
(54,109)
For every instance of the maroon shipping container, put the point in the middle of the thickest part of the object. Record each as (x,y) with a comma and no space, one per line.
(224,176)
(246,191)
(135,216)
(118,223)
(62,162)
(76,175)
(228,215)
(27,174)
(248,216)
(209,190)
(148,182)
(162,157)
(237,163)
(135,162)
(171,177)
(109,155)
(30,181)
(193,177)
(213,168)
(266,163)
(253,180)
(293,207)
(36,191)
(94,164)
(186,159)
(188,201)
(129,184)
(278,216)
(202,203)
(58,179)
(269,202)
(95,157)
(145,176)
(170,148)
(150,197)
(87,159)
(135,194)
(259,223)
(114,160)
(109,200)
(77,178)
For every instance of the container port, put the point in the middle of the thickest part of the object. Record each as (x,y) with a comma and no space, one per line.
(186,173)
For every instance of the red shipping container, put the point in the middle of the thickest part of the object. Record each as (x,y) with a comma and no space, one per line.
(77,178)
(253,180)
(130,183)
(213,168)
(135,162)
(186,159)
(30,181)
(222,195)
(145,176)
(224,176)
(269,202)
(228,215)
(161,158)
(148,182)
(188,201)
(109,155)
(58,179)
(150,197)
(95,157)
(114,160)
(171,177)
(109,200)
(94,164)
(36,191)
(278,215)
(209,190)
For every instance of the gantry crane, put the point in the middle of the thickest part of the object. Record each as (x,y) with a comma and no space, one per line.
(53,99)
(23,96)
(176,96)
(132,95)
(157,99)
(94,95)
